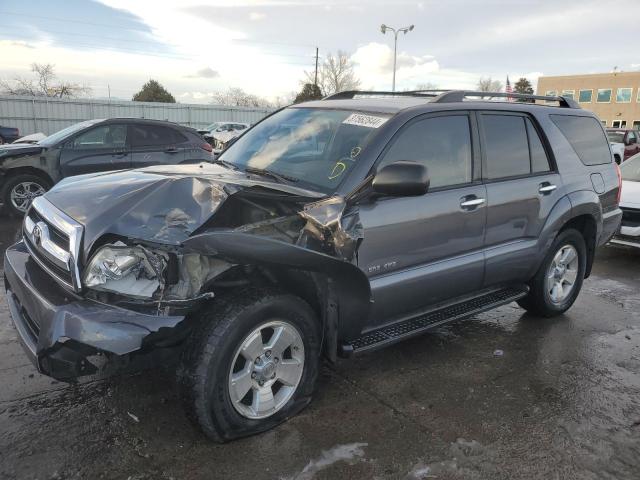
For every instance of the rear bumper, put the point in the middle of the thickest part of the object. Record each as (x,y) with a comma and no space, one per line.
(627,235)
(60,331)
(610,225)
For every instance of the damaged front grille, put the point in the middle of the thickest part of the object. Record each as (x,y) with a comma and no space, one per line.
(53,239)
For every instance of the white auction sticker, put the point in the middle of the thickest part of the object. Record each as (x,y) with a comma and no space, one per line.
(363,120)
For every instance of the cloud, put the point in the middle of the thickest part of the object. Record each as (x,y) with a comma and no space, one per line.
(206,72)
(255,16)
(16,43)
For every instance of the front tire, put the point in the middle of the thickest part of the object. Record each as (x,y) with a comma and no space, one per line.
(19,190)
(557,283)
(251,364)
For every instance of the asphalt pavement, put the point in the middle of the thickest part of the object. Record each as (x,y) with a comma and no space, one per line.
(504,395)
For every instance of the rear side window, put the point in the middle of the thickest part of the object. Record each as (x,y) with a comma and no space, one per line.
(153,135)
(442,144)
(539,159)
(586,137)
(506,146)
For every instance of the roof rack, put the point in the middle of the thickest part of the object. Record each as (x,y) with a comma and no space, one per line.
(460,95)
(454,96)
(350,94)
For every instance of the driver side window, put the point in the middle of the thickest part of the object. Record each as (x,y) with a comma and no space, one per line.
(442,144)
(104,136)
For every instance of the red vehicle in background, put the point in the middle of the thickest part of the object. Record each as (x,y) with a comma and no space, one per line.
(628,138)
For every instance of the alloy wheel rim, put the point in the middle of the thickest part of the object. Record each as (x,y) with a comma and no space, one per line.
(266,369)
(562,274)
(23,193)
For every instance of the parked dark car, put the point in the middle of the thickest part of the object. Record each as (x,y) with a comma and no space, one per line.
(331,227)
(8,134)
(27,171)
(628,138)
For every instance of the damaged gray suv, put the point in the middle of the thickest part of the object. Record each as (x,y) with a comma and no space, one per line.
(328,229)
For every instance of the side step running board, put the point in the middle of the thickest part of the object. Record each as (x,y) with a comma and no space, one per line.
(417,325)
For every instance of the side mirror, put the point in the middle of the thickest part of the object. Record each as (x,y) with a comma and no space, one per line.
(402,179)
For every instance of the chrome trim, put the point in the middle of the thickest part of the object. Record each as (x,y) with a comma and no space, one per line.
(547,188)
(472,203)
(67,225)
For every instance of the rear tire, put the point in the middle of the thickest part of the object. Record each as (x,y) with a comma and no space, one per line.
(557,283)
(18,191)
(216,360)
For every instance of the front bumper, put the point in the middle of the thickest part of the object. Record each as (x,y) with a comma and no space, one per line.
(60,330)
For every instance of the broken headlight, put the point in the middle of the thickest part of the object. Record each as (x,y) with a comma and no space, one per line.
(133,271)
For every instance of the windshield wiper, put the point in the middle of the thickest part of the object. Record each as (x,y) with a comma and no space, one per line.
(226,164)
(278,177)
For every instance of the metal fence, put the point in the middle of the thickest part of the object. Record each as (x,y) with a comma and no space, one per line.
(48,115)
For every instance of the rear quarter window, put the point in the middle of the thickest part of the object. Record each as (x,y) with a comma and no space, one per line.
(586,136)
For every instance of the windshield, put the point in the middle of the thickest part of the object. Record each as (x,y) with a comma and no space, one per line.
(65,132)
(616,137)
(631,169)
(314,146)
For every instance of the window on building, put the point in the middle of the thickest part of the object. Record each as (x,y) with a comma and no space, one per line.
(636,124)
(619,124)
(603,122)
(585,96)
(623,95)
(604,95)
(551,93)
(568,93)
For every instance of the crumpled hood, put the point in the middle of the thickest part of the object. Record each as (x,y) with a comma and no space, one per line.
(157,204)
(11,150)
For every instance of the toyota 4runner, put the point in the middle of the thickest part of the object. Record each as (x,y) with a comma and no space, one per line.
(331,228)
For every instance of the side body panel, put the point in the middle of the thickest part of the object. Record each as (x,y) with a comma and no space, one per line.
(419,251)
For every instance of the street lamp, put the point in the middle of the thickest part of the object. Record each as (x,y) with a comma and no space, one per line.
(405,30)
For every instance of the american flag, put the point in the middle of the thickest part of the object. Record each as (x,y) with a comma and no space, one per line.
(508,89)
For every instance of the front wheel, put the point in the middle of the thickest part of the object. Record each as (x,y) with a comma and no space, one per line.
(252,364)
(557,283)
(19,191)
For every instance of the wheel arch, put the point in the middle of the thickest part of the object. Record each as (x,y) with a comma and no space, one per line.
(27,170)
(338,291)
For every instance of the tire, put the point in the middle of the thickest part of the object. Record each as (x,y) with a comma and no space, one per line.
(212,355)
(543,287)
(35,184)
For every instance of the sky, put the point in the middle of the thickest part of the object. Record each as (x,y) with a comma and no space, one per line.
(197,47)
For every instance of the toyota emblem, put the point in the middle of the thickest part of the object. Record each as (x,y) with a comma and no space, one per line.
(37,235)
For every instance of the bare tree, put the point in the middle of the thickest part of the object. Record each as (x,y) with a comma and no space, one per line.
(423,86)
(44,84)
(237,97)
(335,74)
(489,85)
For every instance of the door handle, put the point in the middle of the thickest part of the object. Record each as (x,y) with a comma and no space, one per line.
(470,203)
(171,150)
(546,188)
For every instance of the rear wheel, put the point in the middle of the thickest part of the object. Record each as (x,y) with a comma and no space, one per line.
(252,364)
(19,191)
(557,283)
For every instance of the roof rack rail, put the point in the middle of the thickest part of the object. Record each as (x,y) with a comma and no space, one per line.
(459,96)
(452,96)
(350,94)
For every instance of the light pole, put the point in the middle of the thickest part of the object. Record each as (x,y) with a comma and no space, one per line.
(405,30)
